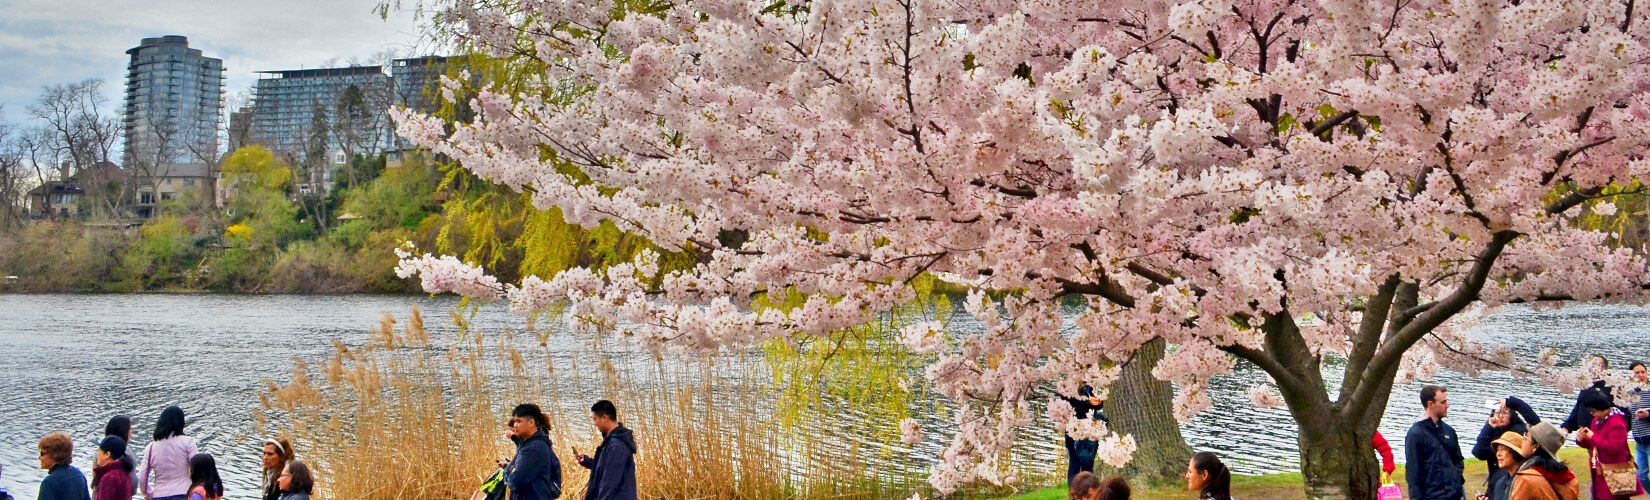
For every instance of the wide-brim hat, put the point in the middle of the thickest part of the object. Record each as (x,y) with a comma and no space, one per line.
(1512,440)
(1547,437)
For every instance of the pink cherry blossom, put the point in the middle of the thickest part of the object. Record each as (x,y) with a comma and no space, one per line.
(1244,179)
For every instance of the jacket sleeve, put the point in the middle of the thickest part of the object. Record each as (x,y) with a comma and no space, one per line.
(1385,449)
(1482,449)
(1573,422)
(612,461)
(531,462)
(1523,410)
(1415,472)
(144,468)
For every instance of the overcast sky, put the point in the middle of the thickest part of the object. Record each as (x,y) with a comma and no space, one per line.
(48,42)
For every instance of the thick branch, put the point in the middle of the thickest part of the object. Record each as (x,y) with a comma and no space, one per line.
(1369,334)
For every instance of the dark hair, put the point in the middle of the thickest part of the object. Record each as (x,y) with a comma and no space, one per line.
(203,472)
(1219,486)
(1603,361)
(1545,460)
(1081,485)
(1634,364)
(1430,394)
(170,423)
(302,480)
(59,446)
(1595,400)
(605,408)
(532,411)
(1115,488)
(120,426)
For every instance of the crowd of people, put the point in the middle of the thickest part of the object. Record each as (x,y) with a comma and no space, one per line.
(1519,450)
(173,468)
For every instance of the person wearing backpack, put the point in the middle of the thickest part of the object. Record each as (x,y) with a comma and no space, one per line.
(613,469)
(535,472)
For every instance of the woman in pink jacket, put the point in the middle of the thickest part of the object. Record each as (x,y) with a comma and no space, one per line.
(164,473)
(1606,443)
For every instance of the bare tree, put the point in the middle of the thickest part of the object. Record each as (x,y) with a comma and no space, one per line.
(12,177)
(154,154)
(76,131)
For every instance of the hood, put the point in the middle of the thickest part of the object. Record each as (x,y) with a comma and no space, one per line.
(113,465)
(623,435)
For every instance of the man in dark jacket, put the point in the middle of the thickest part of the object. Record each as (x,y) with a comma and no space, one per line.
(535,472)
(1513,415)
(1432,454)
(1579,417)
(613,469)
(1080,453)
(63,481)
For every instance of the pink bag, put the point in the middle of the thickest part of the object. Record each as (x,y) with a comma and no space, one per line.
(1389,492)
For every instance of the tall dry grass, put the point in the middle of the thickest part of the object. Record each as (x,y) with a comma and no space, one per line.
(403,418)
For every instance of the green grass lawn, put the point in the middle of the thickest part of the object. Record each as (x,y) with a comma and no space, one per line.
(1288,486)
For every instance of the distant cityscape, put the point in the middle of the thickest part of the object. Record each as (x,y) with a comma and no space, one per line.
(172,121)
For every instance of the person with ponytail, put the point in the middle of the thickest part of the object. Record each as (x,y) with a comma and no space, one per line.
(1209,477)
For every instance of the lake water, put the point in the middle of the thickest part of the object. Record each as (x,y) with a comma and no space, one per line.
(69,362)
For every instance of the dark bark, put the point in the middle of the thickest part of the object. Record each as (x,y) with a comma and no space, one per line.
(1140,405)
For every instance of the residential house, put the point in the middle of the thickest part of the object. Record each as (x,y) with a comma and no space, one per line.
(176,183)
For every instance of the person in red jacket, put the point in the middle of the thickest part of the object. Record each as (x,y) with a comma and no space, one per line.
(112,479)
(1605,441)
(1387,463)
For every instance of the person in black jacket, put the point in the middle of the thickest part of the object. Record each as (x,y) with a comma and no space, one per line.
(1512,415)
(1432,453)
(535,472)
(613,469)
(1080,453)
(1579,417)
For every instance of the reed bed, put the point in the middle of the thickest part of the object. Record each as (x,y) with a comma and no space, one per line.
(402,417)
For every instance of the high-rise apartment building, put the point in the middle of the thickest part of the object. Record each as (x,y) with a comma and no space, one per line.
(285,105)
(174,96)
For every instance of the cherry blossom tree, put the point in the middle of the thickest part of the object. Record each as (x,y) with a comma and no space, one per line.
(1271,182)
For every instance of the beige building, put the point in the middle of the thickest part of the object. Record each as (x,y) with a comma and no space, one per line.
(175,184)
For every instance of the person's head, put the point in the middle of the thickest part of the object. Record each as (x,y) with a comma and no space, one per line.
(1597,403)
(170,423)
(527,420)
(1084,486)
(295,478)
(277,452)
(1509,450)
(203,472)
(112,448)
(1546,438)
(1638,371)
(120,425)
(1207,475)
(605,415)
(1115,488)
(1435,400)
(56,449)
(1598,362)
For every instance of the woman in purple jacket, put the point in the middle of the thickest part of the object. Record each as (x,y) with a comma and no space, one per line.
(164,473)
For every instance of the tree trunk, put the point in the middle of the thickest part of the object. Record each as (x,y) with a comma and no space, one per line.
(1142,406)
(1337,461)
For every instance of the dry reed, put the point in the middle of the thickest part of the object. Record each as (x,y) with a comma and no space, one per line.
(400,418)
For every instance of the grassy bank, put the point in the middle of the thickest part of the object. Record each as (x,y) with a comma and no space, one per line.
(1288,486)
